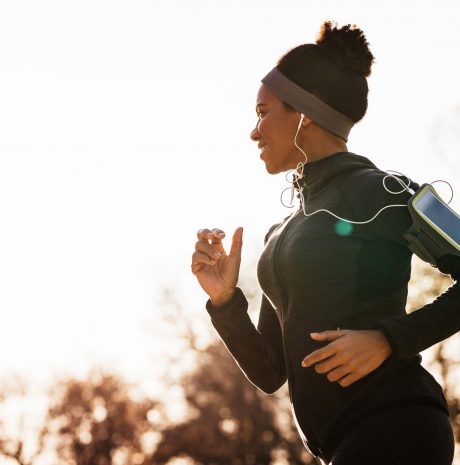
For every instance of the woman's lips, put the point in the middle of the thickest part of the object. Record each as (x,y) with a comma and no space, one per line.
(262,150)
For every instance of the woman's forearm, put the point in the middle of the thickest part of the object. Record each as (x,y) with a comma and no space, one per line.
(258,351)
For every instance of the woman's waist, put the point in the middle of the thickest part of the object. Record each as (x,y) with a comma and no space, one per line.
(324,409)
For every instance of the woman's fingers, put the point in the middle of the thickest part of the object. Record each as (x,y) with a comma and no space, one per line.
(199,259)
(348,380)
(210,241)
(328,335)
(338,373)
(215,236)
(327,365)
(210,250)
(319,355)
(355,354)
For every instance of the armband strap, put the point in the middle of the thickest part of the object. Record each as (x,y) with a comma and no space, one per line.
(421,245)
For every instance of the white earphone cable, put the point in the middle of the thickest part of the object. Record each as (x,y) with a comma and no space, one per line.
(299,174)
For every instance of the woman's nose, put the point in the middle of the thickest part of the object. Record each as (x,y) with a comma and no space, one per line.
(254,134)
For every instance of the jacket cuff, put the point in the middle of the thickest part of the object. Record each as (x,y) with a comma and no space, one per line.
(382,326)
(227,317)
(403,342)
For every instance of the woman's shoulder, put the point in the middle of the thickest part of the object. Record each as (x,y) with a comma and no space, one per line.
(371,184)
(371,192)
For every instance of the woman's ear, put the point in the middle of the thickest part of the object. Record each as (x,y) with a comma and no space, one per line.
(306,121)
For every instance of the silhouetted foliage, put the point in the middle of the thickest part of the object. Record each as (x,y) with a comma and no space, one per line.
(97,422)
(13,433)
(448,368)
(428,283)
(230,421)
(103,421)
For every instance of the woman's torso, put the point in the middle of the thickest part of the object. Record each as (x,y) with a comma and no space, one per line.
(322,273)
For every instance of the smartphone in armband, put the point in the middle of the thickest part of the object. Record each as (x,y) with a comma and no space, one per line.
(435,229)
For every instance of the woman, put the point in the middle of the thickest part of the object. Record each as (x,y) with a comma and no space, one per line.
(334,275)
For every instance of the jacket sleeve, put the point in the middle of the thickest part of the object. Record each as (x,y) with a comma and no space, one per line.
(434,322)
(412,333)
(258,352)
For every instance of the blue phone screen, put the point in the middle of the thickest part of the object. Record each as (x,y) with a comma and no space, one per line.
(440,214)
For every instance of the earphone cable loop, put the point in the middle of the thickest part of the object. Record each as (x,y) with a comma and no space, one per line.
(450,186)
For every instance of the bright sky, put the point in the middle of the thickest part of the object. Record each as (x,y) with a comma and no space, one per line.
(124,128)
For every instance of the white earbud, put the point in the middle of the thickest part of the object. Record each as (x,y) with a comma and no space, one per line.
(302,116)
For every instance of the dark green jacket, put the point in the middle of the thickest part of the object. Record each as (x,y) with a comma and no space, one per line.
(319,273)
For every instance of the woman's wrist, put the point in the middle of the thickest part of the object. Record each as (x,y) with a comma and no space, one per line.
(220,301)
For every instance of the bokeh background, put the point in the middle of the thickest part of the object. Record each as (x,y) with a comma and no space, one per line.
(124,128)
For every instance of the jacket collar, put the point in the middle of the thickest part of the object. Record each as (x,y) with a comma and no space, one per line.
(319,173)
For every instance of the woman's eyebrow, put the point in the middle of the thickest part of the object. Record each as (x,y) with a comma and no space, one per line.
(260,105)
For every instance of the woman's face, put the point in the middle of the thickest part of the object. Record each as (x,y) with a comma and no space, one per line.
(275,132)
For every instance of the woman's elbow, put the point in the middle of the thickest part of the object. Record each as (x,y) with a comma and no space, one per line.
(270,386)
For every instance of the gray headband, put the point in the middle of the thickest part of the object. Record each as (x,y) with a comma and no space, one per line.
(308,104)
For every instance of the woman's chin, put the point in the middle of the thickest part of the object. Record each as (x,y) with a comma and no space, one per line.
(271,169)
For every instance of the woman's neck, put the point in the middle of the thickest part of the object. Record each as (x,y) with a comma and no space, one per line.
(320,143)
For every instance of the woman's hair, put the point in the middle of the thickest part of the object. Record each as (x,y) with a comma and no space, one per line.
(334,69)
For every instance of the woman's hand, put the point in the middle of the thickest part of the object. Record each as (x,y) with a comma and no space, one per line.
(349,356)
(216,271)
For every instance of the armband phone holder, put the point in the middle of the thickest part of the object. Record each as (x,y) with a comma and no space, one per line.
(435,229)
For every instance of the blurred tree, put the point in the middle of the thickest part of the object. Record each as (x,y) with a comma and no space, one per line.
(448,368)
(426,284)
(97,422)
(225,420)
(229,421)
(14,429)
